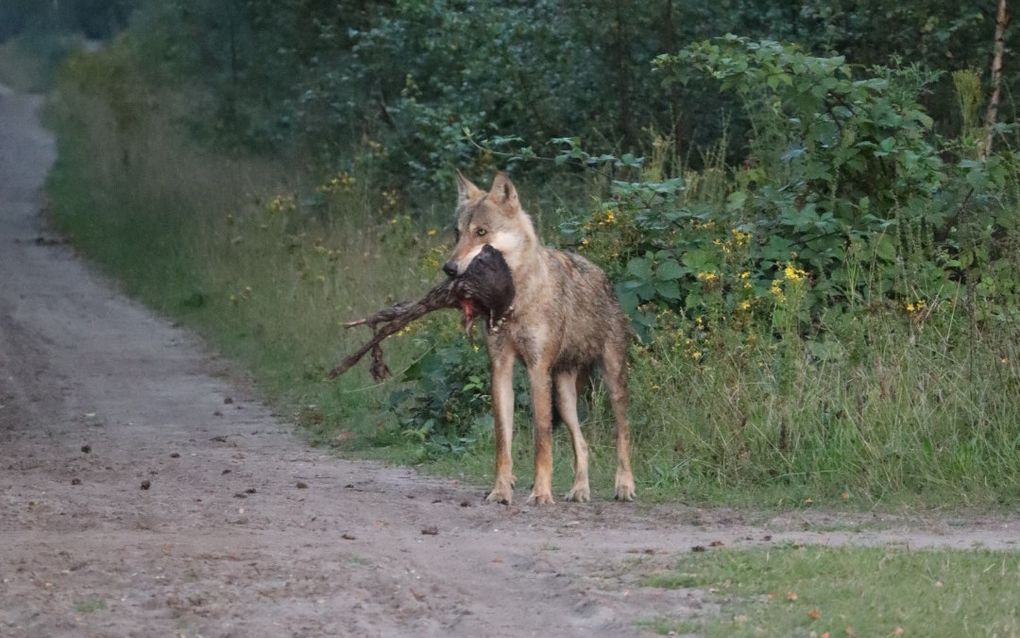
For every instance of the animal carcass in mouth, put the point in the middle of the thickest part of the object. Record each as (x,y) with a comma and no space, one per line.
(485,289)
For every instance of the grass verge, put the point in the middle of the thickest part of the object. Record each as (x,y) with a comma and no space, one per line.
(814,591)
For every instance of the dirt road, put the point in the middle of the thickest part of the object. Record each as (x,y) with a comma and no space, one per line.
(142,493)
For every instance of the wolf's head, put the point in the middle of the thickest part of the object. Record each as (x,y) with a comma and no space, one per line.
(495,219)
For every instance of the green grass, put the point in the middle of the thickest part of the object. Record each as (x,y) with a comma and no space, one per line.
(817,591)
(267,262)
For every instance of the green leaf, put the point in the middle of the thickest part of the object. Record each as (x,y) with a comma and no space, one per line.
(669,270)
(735,202)
(700,260)
(640,268)
(777,249)
(628,300)
(668,290)
(885,248)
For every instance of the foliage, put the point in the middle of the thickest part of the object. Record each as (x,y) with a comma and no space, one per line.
(446,404)
(427,79)
(843,194)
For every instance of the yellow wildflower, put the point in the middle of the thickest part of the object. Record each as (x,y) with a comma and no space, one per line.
(777,290)
(390,199)
(794,274)
(916,306)
(282,203)
(707,277)
(745,305)
(342,181)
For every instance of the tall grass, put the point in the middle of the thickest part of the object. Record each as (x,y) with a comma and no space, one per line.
(267,259)
(882,408)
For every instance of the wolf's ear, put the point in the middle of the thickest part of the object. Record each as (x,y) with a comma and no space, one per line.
(503,193)
(466,191)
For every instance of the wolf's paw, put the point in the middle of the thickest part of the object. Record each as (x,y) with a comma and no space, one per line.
(540,498)
(625,486)
(579,494)
(503,494)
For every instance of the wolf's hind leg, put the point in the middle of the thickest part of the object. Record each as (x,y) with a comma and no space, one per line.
(566,404)
(614,361)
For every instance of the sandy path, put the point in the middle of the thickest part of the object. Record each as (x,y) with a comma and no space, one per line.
(224,542)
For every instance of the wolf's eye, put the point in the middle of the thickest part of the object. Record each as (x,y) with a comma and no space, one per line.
(480,232)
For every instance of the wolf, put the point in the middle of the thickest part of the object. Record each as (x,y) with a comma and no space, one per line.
(564,319)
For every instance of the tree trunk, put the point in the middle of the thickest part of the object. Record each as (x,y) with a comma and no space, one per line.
(1001,20)
(669,38)
(621,52)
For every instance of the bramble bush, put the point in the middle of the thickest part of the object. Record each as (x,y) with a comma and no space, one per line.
(844,184)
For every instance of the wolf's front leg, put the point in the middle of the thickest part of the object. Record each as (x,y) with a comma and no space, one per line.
(541,399)
(503,413)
